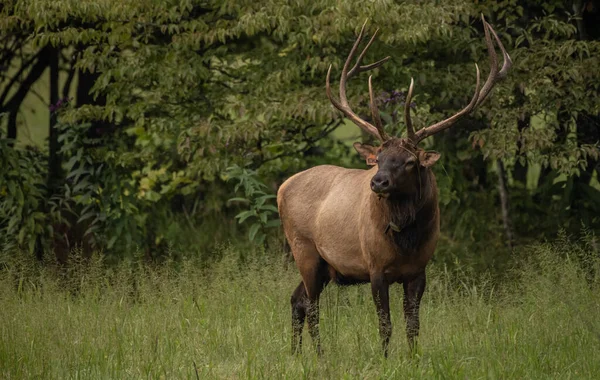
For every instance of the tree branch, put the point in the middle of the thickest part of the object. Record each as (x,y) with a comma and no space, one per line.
(12,106)
(72,71)
(9,52)
(24,66)
(309,143)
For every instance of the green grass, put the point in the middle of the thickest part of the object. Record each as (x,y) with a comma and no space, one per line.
(232,320)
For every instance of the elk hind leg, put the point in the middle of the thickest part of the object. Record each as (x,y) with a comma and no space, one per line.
(315,276)
(299,306)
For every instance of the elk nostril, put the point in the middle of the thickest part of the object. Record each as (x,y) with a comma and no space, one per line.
(379,184)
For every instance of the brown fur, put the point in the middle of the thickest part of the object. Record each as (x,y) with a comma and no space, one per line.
(335,226)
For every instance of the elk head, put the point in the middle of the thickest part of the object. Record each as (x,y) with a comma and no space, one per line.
(399,159)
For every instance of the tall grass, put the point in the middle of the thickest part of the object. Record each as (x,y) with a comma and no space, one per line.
(181,320)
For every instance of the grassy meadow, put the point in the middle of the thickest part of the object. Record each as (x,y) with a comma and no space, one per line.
(231,319)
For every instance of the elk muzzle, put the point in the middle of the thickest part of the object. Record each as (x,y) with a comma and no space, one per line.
(380,183)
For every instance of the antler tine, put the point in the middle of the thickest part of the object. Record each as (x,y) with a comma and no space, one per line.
(344,76)
(346,110)
(493,60)
(498,75)
(435,128)
(333,100)
(375,113)
(357,68)
(494,76)
(410,132)
(507,60)
(342,104)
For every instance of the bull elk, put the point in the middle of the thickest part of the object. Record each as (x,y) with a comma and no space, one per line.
(379,225)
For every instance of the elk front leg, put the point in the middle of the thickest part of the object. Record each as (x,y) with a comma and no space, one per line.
(380,289)
(413,292)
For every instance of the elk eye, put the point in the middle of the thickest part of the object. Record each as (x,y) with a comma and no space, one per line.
(409,164)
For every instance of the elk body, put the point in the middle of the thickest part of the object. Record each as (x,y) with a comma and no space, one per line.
(379,225)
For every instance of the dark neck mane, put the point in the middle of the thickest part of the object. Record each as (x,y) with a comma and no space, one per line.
(401,211)
(410,214)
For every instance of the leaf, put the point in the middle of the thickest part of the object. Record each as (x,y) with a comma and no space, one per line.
(591,193)
(273,223)
(260,201)
(386,117)
(152,196)
(253,230)
(11,188)
(111,241)
(270,208)
(68,166)
(238,199)
(263,217)
(80,186)
(260,239)
(21,236)
(86,216)
(244,215)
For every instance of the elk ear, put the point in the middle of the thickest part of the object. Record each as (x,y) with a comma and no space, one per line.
(368,152)
(427,159)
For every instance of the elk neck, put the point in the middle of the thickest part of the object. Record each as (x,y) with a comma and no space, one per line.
(402,217)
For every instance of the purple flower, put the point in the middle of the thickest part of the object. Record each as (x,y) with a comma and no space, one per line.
(59,104)
(397,94)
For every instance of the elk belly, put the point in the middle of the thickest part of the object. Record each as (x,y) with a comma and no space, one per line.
(347,264)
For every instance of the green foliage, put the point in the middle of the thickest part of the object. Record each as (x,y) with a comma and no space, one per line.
(186,89)
(123,204)
(261,211)
(24,213)
(105,199)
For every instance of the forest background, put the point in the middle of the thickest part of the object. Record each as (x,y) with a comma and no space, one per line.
(142,143)
(163,128)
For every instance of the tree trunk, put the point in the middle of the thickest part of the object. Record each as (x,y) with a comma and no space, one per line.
(520,170)
(523,123)
(503,191)
(54,158)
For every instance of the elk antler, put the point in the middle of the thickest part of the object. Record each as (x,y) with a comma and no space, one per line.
(494,76)
(409,128)
(342,105)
